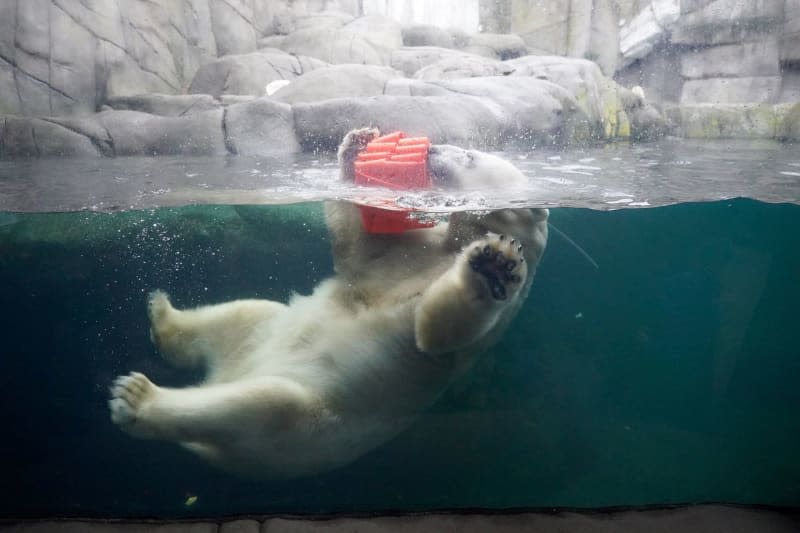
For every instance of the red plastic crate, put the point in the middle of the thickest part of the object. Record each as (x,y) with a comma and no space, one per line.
(396,162)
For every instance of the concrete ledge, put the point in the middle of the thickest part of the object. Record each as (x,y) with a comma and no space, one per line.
(700,518)
(732,121)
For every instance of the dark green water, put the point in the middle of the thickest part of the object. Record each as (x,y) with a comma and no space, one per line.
(671,374)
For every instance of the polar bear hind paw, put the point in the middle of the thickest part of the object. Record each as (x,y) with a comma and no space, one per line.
(158,307)
(498,260)
(129,394)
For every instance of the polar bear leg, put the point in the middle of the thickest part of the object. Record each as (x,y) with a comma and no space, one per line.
(354,141)
(193,337)
(206,416)
(348,238)
(529,226)
(467,300)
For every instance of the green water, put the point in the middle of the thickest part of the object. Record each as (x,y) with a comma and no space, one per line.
(669,374)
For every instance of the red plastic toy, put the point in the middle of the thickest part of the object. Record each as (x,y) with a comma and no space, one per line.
(396,162)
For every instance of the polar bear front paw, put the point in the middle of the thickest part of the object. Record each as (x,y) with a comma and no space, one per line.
(498,261)
(352,144)
(130,395)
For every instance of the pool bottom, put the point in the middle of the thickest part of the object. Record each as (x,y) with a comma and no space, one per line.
(687,519)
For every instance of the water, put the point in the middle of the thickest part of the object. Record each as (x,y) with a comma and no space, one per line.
(666,375)
(606,177)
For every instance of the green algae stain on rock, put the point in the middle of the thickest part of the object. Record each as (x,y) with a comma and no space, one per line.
(788,128)
(616,123)
(728,121)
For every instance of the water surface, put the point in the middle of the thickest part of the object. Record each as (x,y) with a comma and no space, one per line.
(603,177)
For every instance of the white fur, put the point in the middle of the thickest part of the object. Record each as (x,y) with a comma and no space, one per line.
(298,388)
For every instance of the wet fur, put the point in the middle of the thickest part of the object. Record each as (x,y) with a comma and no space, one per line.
(298,388)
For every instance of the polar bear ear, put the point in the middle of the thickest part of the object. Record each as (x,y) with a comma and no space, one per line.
(355,141)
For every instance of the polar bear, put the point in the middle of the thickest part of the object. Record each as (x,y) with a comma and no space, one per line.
(299,388)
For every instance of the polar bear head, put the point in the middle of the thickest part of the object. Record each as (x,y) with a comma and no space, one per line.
(458,168)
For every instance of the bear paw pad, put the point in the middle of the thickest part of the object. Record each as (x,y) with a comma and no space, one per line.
(498,260)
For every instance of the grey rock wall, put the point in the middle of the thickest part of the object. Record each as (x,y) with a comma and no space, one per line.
(729,66)
(66,57)
(790,33)
(586,29)
(728,51)
(480,101)
(115,68)
(249,74)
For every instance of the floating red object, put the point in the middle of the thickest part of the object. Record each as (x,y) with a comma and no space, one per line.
(396,162)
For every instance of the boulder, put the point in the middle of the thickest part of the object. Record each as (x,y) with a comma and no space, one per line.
(496,45)
(135,133)
(271,43)
(457,119)
(334,45)
(410,60)
(230,99)
(533,110)
(426,35)
(489,112)
(613,111)
(580,77)
(249,74)
(260,127)
(411,87)
(33,137)
(337,81)
(328,18)
(464,66)
(121,133)
(460,37)
(382,32)
(168,105)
